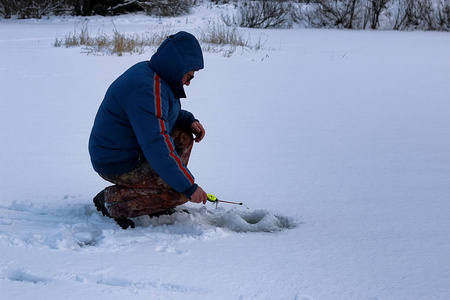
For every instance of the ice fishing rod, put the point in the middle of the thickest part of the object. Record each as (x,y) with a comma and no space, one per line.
(214,199)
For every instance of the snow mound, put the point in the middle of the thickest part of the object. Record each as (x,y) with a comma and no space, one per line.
(199,219)
(21,275)
(78,226)
(248,221)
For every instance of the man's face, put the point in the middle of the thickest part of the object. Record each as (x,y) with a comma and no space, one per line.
(187,78)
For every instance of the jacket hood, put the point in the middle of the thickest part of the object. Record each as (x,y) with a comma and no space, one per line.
(177,55)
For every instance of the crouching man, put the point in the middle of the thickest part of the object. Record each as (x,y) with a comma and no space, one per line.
(141,139)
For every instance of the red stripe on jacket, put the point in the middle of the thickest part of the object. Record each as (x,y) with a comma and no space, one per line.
(162,126)
(158,106)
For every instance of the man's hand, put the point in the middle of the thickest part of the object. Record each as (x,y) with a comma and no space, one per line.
(198,131)
(199,196)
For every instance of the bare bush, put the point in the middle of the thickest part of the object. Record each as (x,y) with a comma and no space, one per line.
(338,14)
(361,14)
(26,9)
(163,8)
(5,9)
(429,15)
(260,14)
(305,14)
(374,9)
(412,13)
(421,15)
(443,15)
(167,8)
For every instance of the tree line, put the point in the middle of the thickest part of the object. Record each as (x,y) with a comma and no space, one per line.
(25,9)
(348,14)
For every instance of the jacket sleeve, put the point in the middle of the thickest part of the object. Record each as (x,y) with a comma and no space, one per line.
(147,111)
(185,119)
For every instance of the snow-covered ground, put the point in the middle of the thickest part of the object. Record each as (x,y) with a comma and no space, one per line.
(337,141)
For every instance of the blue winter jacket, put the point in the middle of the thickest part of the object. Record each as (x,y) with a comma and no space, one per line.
(139,111)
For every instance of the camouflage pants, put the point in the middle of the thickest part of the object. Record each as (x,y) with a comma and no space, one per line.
(142,191)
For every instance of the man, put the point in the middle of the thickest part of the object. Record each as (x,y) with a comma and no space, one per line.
(141,138)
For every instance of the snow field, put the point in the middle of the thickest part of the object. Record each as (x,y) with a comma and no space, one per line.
(337,141)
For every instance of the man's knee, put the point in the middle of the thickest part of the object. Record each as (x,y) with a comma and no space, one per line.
(183,140)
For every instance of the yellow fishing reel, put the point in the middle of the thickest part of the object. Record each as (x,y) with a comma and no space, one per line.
(211,197)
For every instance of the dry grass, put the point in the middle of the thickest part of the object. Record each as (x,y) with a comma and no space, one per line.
(215,38)
(118,44)
(226,39)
